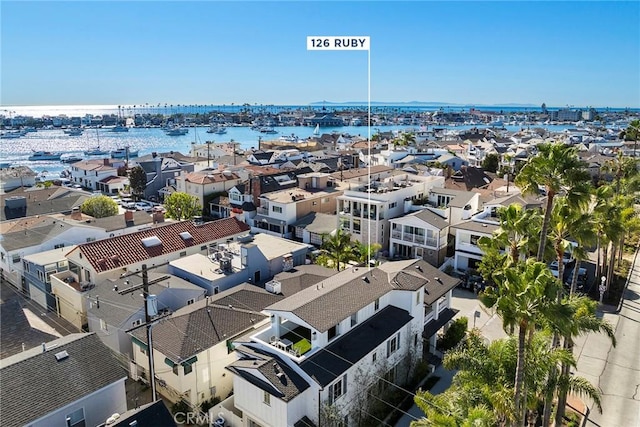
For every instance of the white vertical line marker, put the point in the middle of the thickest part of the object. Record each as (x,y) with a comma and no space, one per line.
(369,152)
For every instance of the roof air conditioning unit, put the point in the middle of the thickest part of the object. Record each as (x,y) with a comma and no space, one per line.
(273,286)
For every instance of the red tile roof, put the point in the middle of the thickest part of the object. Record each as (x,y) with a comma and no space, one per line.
(129,248)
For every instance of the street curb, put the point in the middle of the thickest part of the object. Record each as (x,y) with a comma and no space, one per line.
(626,285)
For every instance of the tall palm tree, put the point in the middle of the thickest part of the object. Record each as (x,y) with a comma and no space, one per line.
(583,319)
(523,294)
(558,169)
(338,248)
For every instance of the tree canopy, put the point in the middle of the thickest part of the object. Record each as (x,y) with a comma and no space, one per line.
(182,206)
(137,180)
(99,207)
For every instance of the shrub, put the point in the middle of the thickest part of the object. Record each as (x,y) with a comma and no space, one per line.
(453,335)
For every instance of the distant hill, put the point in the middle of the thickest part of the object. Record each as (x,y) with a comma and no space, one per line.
(426,103)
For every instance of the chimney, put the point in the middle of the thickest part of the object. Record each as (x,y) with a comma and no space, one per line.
(255,191)
(76,214)
(158,217)
(128,216)
(105,162)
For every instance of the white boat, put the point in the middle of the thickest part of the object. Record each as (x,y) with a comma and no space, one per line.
(316,131)
(123,153)
(220,130)
(71,159)
(73,131)
(95,151)
(44,155)
(119,128)
(268,130)
(177,131)
(289,138)
(11,134)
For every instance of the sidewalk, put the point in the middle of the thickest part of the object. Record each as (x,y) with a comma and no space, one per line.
(490,327)
(615,370)
(415,413)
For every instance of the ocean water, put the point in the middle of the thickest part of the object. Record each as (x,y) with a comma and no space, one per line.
(148,140)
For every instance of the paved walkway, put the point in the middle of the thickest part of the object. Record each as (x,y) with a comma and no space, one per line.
(488,323)
(616,370)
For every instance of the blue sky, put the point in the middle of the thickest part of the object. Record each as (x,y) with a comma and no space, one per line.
(561,53)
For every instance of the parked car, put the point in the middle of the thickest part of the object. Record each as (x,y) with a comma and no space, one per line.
(143,206)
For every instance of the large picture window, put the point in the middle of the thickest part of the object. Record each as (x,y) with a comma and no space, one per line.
(337,389)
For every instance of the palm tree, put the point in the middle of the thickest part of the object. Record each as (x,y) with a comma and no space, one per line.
(405,139)
(364,253)
(583,319)
(516,230)
(558,169)
(524,293)
(337,249)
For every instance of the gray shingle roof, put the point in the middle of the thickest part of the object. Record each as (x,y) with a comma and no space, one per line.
(431,218)
(316,222)
(333,360)
(282,381)
(302,277)
(337,297)
(115,308)
(34,383)
(480,227)
(183,336)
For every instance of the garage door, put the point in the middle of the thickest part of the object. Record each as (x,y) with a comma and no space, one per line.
(38,295)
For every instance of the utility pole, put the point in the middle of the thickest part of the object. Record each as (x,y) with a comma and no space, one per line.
(147,319)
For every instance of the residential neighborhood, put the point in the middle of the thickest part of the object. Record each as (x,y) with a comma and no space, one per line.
(292,288)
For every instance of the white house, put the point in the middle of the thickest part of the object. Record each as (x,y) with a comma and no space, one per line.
(71,381)
(91,173)
(422,234)
(359,330)
(365,211)
(16,177)
(193,346)
(205,182)
(94,262)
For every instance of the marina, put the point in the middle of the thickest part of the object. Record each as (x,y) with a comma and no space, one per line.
(142,141)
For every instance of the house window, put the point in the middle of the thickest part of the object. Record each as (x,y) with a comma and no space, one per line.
(337,389)
(137,322)
(356,226)
(41,275)
(418,297)
(393,344)
(354,319)
(188,368)
(333,332)
(374,357)
(474,239)
(191,301)
(16,258)
(25,265)
(266,398)
(393,205)
(376,304)
(76,418)
(276,209)
(87,275)
(58,246)
(415,340)
(314,203)
(183,254)
(203,248)
(103,325)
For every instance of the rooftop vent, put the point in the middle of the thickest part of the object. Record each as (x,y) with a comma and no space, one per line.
(273,286)
(62,355)
(186,235)
(149,242)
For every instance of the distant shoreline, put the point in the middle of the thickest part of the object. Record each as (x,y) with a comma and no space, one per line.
(170,109)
